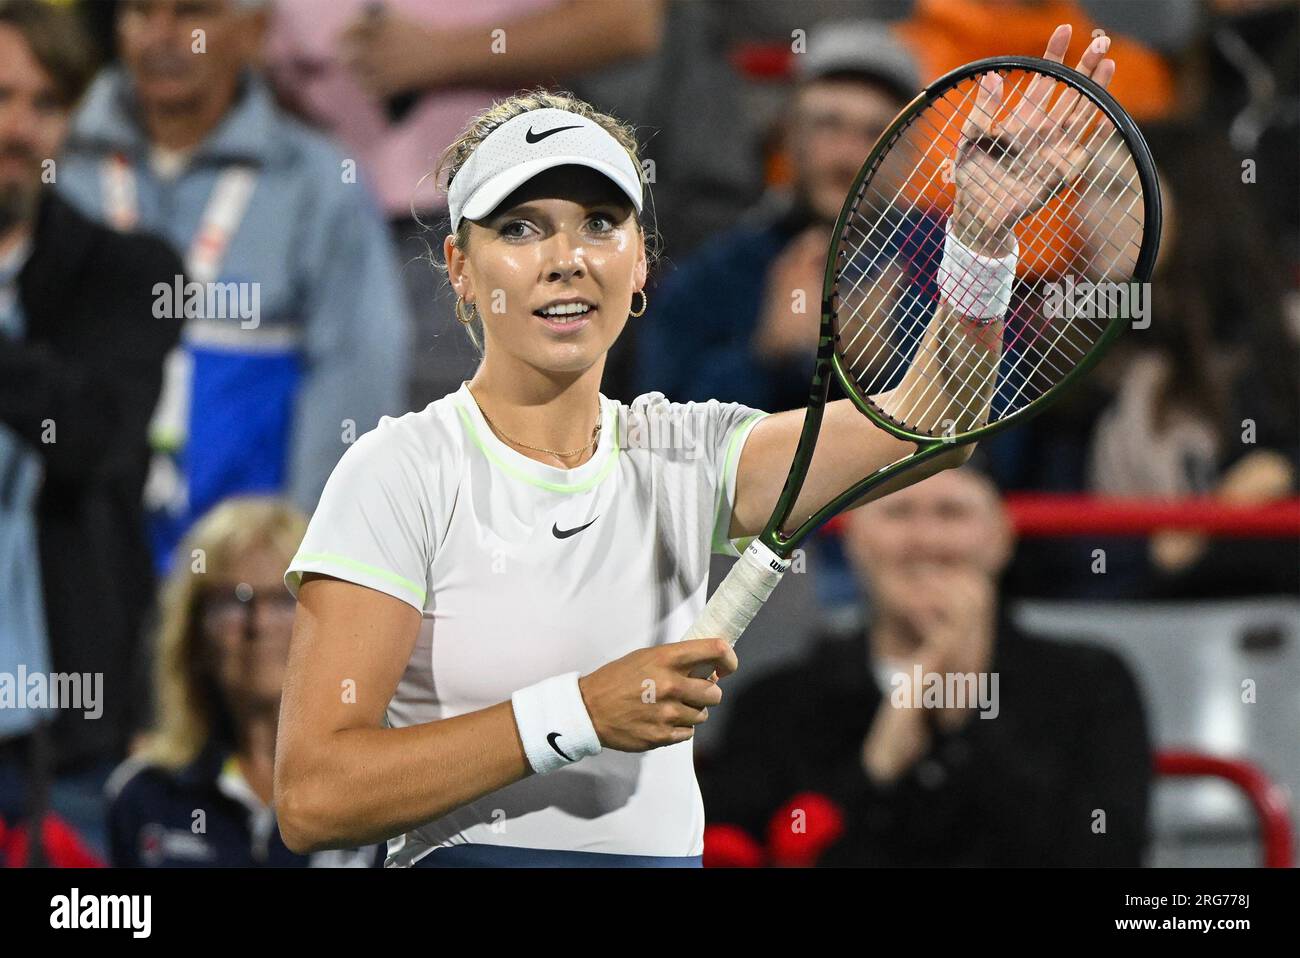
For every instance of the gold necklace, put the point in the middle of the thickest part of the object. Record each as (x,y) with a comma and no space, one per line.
(595,433)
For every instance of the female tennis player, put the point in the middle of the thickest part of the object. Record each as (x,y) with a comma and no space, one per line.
(485,667)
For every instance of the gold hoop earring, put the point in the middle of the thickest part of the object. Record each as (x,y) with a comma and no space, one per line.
(460,312)
(645,303)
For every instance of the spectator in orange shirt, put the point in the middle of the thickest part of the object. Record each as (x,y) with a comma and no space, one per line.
(945,34)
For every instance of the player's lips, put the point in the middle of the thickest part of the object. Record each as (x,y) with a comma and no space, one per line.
(566,315)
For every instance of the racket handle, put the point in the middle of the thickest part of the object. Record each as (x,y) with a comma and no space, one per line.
(738,598)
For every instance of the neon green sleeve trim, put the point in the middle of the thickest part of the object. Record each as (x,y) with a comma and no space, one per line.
(413,588)
(720,541)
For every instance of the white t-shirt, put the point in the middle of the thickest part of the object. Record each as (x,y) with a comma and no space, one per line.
(433,509)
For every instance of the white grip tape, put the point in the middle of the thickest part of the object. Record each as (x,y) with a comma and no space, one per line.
(973,285)
(737,600)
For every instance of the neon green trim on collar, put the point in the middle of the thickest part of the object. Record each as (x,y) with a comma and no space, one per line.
(517,473)
(407,584)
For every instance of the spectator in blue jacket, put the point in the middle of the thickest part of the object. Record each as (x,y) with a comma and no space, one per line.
(738,320)
(296,325)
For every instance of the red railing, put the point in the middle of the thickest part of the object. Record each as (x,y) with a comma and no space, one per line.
(1048,514)
(757,60)
(726,846)
(1037,514)
(1267,797)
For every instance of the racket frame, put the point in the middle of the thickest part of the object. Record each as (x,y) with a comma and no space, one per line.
(828,362)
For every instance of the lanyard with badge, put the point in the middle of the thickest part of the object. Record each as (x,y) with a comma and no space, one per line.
(225,209)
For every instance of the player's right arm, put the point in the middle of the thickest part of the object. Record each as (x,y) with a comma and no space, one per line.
(343,780)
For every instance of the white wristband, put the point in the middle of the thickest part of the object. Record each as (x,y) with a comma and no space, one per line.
(976,286)
(553,723)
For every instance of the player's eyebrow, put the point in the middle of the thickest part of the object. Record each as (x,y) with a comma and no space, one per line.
(533,210)
(520,209)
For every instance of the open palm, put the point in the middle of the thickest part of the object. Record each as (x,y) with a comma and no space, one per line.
(1006,168)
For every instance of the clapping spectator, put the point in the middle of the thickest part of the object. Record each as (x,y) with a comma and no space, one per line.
(1032,751)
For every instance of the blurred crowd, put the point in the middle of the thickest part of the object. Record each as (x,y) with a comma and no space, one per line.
(216,225)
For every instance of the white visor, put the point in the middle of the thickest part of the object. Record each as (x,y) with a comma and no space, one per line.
(529,144)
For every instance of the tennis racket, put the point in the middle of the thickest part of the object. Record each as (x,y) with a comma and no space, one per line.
(942,351)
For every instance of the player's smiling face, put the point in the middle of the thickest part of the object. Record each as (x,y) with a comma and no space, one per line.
(553,268)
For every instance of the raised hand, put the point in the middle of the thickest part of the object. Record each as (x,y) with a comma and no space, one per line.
(1007,168)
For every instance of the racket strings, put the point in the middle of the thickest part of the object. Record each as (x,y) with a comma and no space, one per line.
(971,366)
(1057,347)
(901,402)
(882,250)
(1040,178)
(1062,328)
(932,258)
(936,168)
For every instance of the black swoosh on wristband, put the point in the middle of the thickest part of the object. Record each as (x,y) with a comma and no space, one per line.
(550,740)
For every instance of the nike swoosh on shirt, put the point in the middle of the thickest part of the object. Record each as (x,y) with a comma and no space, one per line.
(532,137)
(565,533)
(550,740)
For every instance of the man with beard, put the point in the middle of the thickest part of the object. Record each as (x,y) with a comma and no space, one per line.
(747,309)
(80,368)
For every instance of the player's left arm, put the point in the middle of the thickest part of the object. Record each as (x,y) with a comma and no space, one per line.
(850,447)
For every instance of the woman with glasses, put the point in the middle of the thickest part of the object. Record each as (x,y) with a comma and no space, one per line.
(198,793)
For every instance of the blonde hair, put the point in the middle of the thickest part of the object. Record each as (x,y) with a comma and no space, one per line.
(501,111)
(189,711)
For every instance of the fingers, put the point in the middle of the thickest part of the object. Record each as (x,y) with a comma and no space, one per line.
(1040,88)
(1058,43)
(684,716)
(988,100)
(1089,62)
(715,652)
(1092,55)
(699,693)
(1104,73)
(1086,110)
